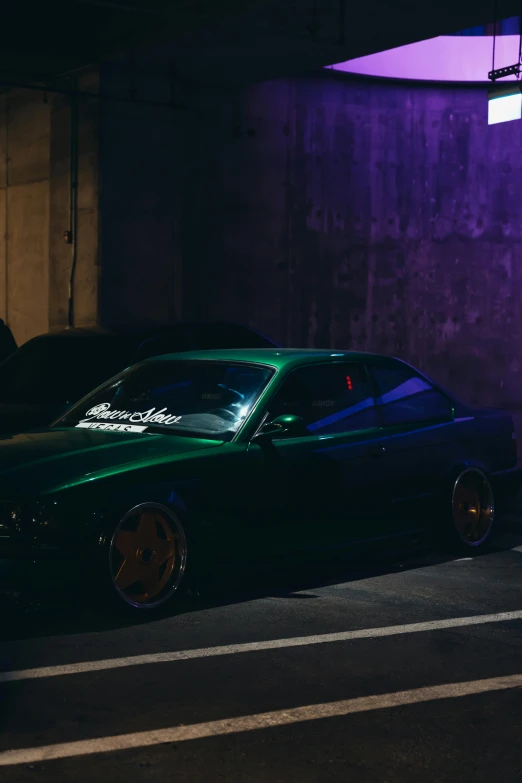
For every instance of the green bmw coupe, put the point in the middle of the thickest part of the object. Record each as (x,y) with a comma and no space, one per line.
(184,462)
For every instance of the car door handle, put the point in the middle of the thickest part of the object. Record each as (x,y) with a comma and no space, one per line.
(376,451)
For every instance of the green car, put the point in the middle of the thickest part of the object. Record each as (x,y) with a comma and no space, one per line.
(191,461)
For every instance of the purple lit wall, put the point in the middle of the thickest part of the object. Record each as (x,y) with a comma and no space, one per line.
(328,211)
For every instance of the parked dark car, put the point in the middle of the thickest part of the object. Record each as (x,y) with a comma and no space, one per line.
(7,341)
(184,462)
(48,373)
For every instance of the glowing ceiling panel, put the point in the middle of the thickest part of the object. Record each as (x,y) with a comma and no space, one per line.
(442,59)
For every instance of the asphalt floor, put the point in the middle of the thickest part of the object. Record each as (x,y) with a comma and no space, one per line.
(406,668)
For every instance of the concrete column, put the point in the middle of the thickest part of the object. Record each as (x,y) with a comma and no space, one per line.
(35,208)
(24,208)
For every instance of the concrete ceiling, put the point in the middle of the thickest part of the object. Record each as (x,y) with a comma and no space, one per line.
(52,37)
(222,41)
(291,36)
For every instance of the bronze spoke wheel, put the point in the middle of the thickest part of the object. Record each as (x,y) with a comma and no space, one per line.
(147,556)
(473,507)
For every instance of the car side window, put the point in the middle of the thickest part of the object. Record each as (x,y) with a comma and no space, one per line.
(330,398)
(406,398)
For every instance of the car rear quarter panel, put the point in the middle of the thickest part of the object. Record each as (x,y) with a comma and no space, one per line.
(491,439)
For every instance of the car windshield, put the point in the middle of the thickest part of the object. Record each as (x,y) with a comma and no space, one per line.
(206,399)
(54,369)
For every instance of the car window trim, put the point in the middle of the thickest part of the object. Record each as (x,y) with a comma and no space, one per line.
(414,425)
(265,415)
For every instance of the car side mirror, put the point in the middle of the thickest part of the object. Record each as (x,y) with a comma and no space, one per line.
(288,426)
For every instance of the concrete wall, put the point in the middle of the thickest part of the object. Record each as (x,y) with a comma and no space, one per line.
(361,215)
(35,261)
(141,169)
(138,180)
(323,211)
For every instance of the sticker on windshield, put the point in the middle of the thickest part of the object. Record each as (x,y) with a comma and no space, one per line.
(102,425)
(103,412)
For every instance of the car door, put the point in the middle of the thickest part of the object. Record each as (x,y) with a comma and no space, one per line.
(320,489)
(418,419)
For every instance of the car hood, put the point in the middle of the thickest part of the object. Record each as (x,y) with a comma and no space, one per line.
(46,460)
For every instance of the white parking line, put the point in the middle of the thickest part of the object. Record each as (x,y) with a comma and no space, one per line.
(273,644)
(266,720)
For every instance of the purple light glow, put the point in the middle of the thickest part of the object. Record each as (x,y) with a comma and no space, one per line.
(443,59)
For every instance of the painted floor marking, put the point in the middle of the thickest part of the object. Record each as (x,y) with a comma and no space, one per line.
(84,667)
(266,720)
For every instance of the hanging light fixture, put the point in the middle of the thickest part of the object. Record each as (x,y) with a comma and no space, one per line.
(505,100)
(504,103)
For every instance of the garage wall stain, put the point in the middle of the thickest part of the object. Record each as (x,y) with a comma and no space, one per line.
(346,214)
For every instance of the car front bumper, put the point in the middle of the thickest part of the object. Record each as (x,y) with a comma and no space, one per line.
(20,574)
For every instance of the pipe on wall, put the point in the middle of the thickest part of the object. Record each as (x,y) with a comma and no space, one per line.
(6,209)
(73,201)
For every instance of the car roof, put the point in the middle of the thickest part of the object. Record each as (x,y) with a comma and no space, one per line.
(274,357)
(142,334)
(81,334)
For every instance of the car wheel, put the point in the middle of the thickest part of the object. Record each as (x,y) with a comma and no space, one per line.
(148,556)
(472,509)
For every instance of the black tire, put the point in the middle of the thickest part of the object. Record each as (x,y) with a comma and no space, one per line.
(147,557)
(471,516)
